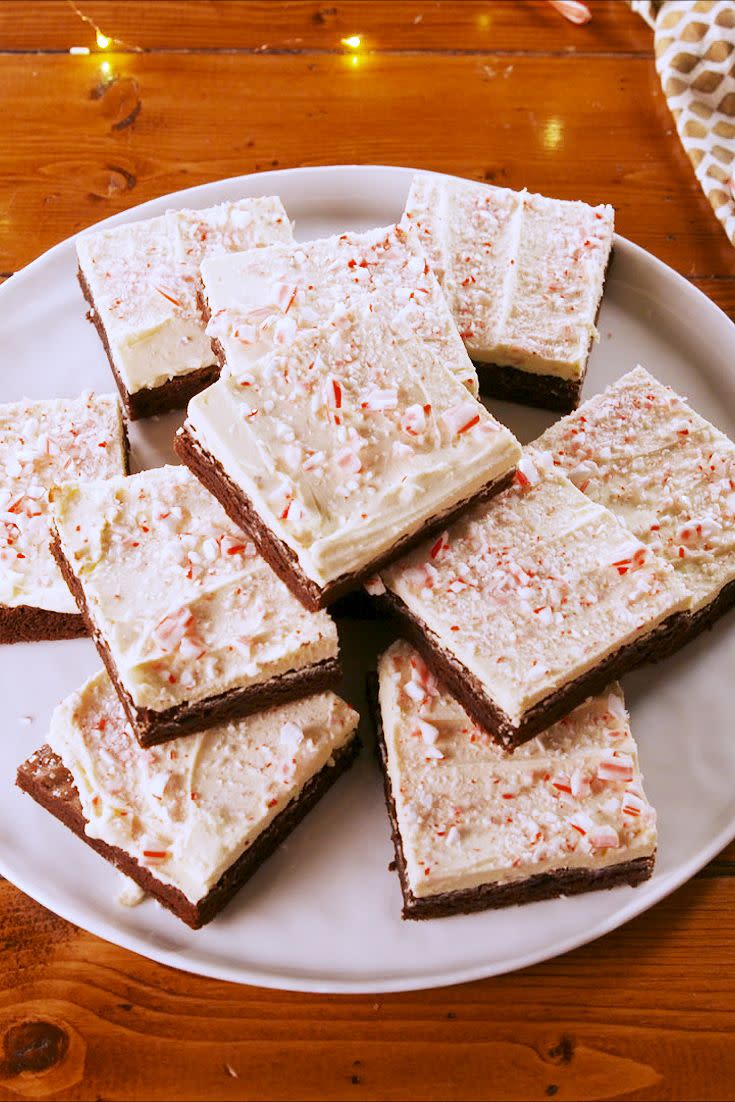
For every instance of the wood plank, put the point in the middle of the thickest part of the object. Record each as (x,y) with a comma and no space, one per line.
(625,1017)
(79,146)
(721,291)
(484,25)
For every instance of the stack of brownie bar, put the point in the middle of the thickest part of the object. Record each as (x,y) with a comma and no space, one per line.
(334,443)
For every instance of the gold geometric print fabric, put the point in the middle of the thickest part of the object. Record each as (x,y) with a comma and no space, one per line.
(694,42)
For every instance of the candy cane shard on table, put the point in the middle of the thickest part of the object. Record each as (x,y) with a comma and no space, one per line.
(523,276)
(476,827)
(192,624)
(190,821)
(336,435)
(41,443)
(140,280)
(641,451)
(532,601)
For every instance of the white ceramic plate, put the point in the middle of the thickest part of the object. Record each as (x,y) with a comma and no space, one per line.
(324,913)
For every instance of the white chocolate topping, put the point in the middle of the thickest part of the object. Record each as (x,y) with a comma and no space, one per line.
(535,588)
(179,595)
(259,299)
(668,474)
(41,443)
(523,274)
(470,814)
(350,438)
(143,278)
(187,810)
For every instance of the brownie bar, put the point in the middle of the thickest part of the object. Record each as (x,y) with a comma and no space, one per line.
(546,885)
(510,384)
(28,624)
(468,690)
(153,727)
(45,778)
(279,555)
(173,394)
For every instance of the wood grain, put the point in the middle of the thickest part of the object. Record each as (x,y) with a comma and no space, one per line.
(629,1016)
(78,146)
(472,25)
(504,91)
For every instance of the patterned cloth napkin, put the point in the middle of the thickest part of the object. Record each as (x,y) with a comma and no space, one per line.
(695,58)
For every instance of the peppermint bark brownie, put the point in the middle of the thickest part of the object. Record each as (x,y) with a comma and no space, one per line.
(641,451)
(257,300)
(140,280)
(523,275)
(342,448)
(191,623)
(41,443)
(475,827)
(189,822)
(532,602)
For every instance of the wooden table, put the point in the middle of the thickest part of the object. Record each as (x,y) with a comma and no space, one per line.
(505,92)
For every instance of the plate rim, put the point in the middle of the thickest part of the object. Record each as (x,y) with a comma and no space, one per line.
(273,979)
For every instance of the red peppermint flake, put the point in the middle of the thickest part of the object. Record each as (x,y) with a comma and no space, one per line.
(521,479)
(469,424)
(337,390)
(441,545)
(170,298)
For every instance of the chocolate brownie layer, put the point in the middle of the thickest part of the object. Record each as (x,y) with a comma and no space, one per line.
(510,384)
(701,620)
(546,885)
(173,394)
(277,554)
(152,727)
(45,777)
(469,692)
(26,624)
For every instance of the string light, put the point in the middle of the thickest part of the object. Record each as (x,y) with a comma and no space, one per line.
(553,133)
(102,41)
(353,42)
